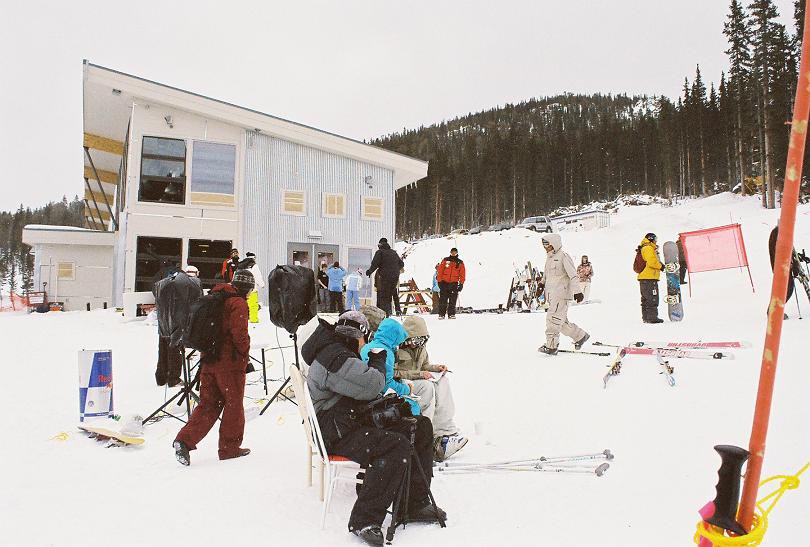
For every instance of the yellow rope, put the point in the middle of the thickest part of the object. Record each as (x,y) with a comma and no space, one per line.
(60,437)
(760,524)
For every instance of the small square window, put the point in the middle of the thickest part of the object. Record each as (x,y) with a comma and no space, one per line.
(372,208)
(334,205)
(66,270)
(294,202)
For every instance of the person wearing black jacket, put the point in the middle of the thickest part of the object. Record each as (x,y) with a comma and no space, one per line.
(387,264)
(341,385)
(795,267)
(173,298)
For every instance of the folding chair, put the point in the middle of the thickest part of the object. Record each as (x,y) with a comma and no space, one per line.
(335,468)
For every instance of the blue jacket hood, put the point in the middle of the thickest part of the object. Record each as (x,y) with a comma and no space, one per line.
(390,333)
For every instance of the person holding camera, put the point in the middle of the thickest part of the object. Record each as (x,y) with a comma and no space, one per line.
(222,377)
(342,386)
(388,264)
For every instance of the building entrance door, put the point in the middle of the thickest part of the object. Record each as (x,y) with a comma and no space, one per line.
(312,254)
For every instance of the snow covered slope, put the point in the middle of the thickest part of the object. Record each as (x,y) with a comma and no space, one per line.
(75,492)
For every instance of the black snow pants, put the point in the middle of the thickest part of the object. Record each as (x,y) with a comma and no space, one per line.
(170,363)
(448,294)
(386,293)
(384,454)
(649,299)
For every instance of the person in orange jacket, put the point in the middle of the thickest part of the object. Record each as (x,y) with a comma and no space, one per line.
(229,266)
(450,275)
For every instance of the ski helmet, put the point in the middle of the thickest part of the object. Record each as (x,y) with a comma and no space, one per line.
(651,237)
(243,281)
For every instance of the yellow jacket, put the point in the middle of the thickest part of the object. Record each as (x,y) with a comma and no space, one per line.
(649,251)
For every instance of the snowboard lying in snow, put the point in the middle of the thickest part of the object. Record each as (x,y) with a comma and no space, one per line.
(114,437)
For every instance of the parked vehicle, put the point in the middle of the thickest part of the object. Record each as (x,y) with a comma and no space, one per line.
(500,226)
(477,229)
(538,224)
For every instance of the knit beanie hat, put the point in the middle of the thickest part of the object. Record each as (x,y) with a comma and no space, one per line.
(374,316)
(352,324)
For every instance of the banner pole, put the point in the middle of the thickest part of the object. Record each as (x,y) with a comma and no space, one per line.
(781,271)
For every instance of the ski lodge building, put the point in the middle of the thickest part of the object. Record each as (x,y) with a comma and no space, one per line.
(172,177)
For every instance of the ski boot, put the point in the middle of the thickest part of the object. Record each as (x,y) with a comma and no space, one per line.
(547,350)
(578,345)
(371,534)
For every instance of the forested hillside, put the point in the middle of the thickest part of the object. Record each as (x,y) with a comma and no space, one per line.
(16,264)
(529,158)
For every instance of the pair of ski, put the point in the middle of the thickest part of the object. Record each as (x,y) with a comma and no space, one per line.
(593,463)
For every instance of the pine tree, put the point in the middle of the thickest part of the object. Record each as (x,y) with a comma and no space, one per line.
(736,31)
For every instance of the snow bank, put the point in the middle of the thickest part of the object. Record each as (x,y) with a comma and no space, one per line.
(75,492)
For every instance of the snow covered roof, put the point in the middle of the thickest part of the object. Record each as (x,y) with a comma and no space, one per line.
(41,234)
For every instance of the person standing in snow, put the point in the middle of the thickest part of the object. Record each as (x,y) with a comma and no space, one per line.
(433,394)
(222,378)
(354,283)
(450,275)
(173,298)
(336,275)
(387,264)
(249,263)
(585,273)
(561,286)
(648,279)
(795,267)
(323,288)
(434,291)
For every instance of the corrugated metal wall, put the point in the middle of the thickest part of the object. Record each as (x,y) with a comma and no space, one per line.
(273,165)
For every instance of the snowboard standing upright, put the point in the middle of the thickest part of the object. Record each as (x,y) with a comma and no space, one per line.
(672,268)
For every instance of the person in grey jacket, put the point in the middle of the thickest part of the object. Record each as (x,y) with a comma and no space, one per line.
(341,385)
(561,286)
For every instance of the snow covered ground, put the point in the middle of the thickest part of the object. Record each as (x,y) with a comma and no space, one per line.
(75,492)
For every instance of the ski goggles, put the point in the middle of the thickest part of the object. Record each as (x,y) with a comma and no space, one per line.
(416,341)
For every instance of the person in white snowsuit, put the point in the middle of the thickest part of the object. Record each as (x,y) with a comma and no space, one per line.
(354,283)
(561,286)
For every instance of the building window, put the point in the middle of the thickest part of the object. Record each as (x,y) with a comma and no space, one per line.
(208,255)
(163,170)
(213,170)
(294,203)
(334,205)
(66,271)
(371,208)
(156,258)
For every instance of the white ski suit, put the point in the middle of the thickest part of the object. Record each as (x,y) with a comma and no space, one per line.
(562,283)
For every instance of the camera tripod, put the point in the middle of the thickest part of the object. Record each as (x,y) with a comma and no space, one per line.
(297,365)
(184,395)
(401,501)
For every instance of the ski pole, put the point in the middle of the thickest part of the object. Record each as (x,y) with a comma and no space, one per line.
(796,294)
(606,454)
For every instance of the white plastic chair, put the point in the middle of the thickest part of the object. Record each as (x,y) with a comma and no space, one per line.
(335,468)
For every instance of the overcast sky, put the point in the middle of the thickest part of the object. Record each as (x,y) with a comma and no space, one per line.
(357,68)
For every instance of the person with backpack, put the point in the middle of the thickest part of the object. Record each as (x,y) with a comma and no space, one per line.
(336,274)
(561,286)
(229,266)
(341,386)
(387,264)
(174,296)
(354,282)
(223,362)
(648,266)
(450,275)
(585,274)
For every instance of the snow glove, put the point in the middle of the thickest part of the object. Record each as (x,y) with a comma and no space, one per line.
(376,360)
(578,297)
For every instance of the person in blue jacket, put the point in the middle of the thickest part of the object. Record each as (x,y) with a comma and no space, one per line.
(435,290)
(336,275)
(389,335)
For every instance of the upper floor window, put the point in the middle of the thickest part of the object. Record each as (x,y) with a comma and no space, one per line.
(334,205)
(294,203)
(163,170)
(371,208)
(213,169)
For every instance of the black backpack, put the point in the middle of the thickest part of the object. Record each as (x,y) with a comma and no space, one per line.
(203,329)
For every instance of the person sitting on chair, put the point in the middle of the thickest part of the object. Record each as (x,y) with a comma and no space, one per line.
(341,385)
(430,387)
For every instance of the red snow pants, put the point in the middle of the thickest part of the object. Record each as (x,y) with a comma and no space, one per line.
(221,391)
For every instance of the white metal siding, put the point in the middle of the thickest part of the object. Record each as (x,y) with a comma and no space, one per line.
(272,165)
